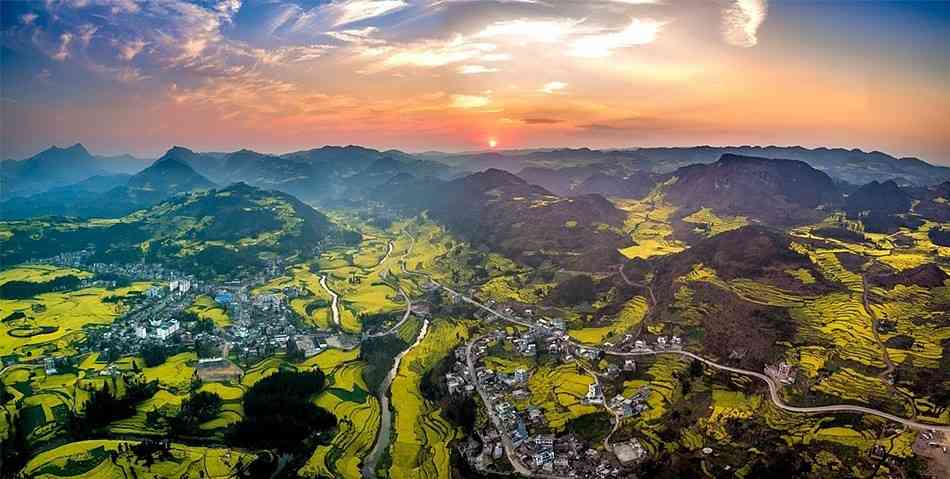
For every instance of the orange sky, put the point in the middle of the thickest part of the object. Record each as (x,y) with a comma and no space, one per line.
(290,74)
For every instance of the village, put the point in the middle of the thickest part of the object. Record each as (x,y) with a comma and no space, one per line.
(258,325)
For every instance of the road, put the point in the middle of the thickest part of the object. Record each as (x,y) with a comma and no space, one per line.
(402,292)
(506,443)
(773,386)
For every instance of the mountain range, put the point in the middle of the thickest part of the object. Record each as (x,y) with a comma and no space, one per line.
(541,213)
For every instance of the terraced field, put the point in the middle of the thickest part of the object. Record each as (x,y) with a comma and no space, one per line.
(708,224)
(559,392)
(52,322)
(91,459)
(40,273)
(649,228)
(206,308)
(420,447)
(630,316)
(357,413)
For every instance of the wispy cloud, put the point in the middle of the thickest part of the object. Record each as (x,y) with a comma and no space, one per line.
(475,69)
(553,87)
(469,101)
(129,50)
(542,121)
(741,21)
(62,53)
(439,53)
(28,18)
(531,31)
(357,10)
(637,32)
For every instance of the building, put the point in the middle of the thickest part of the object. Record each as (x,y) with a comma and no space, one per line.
(166,329)
(594,394)
(630,452)
(223,297)
(307,346)
(50,366)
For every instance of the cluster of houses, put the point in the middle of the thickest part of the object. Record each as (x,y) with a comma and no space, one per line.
(781,372)
(525,425)
(259,324)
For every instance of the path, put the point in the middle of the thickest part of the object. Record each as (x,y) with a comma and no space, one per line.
(506,443)
(405,296)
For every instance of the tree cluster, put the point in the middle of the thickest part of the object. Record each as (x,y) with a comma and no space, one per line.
(278,412)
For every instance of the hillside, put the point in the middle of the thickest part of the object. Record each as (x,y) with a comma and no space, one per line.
(772,191)
(525,222)
(210,232)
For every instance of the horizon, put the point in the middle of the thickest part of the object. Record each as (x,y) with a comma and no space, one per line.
(499,150)
(459,76)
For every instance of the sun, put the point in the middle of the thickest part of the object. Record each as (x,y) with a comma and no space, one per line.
(492,143)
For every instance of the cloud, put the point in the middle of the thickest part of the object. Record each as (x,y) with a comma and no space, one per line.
(553,87)
(475,69)
(86,32)
(541,121)
(358,35)
(295,54)
(637,32)
(741,21)
(62,53)
(469,101)
(438,53)
(28,18)
(358,10)
(531,31)
(129,50)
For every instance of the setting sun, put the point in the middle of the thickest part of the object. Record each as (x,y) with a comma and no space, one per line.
(492,143)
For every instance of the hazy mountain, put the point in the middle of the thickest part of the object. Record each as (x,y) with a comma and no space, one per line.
(773,191)
(48,169)
(851,166)
(123,164)
(110,196)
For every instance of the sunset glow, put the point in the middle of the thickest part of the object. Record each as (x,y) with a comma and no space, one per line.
(430,75)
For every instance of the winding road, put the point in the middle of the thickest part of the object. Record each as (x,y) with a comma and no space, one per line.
(773,386)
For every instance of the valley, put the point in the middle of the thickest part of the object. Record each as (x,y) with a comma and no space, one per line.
(450,344)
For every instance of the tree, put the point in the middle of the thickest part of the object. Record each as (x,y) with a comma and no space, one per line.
(154,354)
(696,368)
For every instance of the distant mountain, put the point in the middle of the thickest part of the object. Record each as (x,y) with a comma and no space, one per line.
(94,197)
(123,164)
(851,166)
(48,169)
(772,191)
(213,232)
(169,175)
(525,222)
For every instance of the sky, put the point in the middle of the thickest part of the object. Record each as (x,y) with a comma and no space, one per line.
(138,76)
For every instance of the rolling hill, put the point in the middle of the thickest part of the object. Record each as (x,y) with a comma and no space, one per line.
(209,232)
